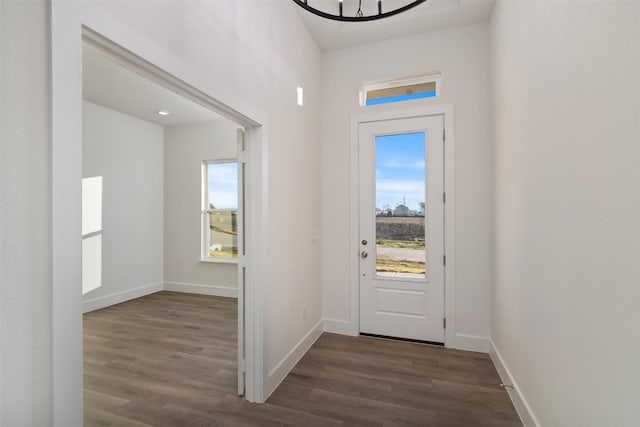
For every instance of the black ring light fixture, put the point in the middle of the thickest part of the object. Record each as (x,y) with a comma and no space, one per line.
(359,15)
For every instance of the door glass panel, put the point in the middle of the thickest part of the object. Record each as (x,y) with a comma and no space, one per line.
(400,206)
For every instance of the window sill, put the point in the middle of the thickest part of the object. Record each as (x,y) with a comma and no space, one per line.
(219,260)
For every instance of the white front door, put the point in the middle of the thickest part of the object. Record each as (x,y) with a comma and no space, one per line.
(401,192)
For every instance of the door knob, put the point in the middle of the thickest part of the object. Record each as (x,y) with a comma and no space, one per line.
(364,254)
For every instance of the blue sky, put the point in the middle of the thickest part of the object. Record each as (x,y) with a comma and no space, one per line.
(400,170)
(400,98)
(223,185)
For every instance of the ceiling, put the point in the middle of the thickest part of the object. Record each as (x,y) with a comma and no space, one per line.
(110,85)
(113,86)
(429,16)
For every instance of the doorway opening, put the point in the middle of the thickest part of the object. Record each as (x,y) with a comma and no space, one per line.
(67,172)
(144,180)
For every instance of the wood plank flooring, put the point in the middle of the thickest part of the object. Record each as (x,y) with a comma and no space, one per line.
(169,359)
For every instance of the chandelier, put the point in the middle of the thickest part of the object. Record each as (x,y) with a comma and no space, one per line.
(359,14)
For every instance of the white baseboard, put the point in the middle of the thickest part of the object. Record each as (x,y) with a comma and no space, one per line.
(190,288)
(522,407)
(472,343)
(193,288)
(285,366)
(339,327)
(106,301)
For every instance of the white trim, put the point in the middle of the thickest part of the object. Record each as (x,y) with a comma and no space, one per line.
(287,363)
(341,327)
(523,409)
(66,176)
(120,297)
(195,288)
(255,216)
(472,343)
(128,295)
(71,22)
(241,257)
(449,211)
(449,227)
(219,260)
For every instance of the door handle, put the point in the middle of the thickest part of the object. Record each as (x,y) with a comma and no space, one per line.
(364,254)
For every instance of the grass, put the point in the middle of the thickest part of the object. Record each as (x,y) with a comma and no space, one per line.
(223,222)
(223,234)
(404,244)
(228,254)
(388,265)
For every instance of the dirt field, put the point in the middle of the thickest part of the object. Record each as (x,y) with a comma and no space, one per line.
(399,228)
(400,244)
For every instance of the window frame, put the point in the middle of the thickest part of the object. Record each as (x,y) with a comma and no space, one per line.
(205,211)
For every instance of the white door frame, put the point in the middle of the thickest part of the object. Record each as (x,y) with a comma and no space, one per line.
(425,323)
(449,212)
(70,22)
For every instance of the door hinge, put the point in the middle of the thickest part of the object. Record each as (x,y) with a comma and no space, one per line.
(443,135)
(444,197)
(243,366)
(444,322)
(444,260)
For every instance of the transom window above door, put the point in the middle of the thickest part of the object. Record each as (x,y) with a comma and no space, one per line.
(408,89)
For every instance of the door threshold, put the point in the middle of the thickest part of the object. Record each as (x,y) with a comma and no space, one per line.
(386,337)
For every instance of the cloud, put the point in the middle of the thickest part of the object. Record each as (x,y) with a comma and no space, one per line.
(223,173)
(223,185)
(400,186)
(398,164)
(392,192)
(224,199)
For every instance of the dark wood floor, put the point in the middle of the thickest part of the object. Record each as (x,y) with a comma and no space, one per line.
(169,359)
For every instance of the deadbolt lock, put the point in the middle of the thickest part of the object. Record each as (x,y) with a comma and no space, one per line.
(364,242)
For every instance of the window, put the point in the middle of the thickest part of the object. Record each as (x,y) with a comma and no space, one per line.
(400,90)
(220,210)
(91,233)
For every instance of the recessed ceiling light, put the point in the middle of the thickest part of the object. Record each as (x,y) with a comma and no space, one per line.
(164,112)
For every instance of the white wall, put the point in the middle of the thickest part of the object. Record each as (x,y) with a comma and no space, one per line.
(253,55)
(25,265)
(566,79)
(461,55)
(186,146)
(129,155)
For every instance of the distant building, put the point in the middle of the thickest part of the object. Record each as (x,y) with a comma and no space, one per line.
(401,210)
